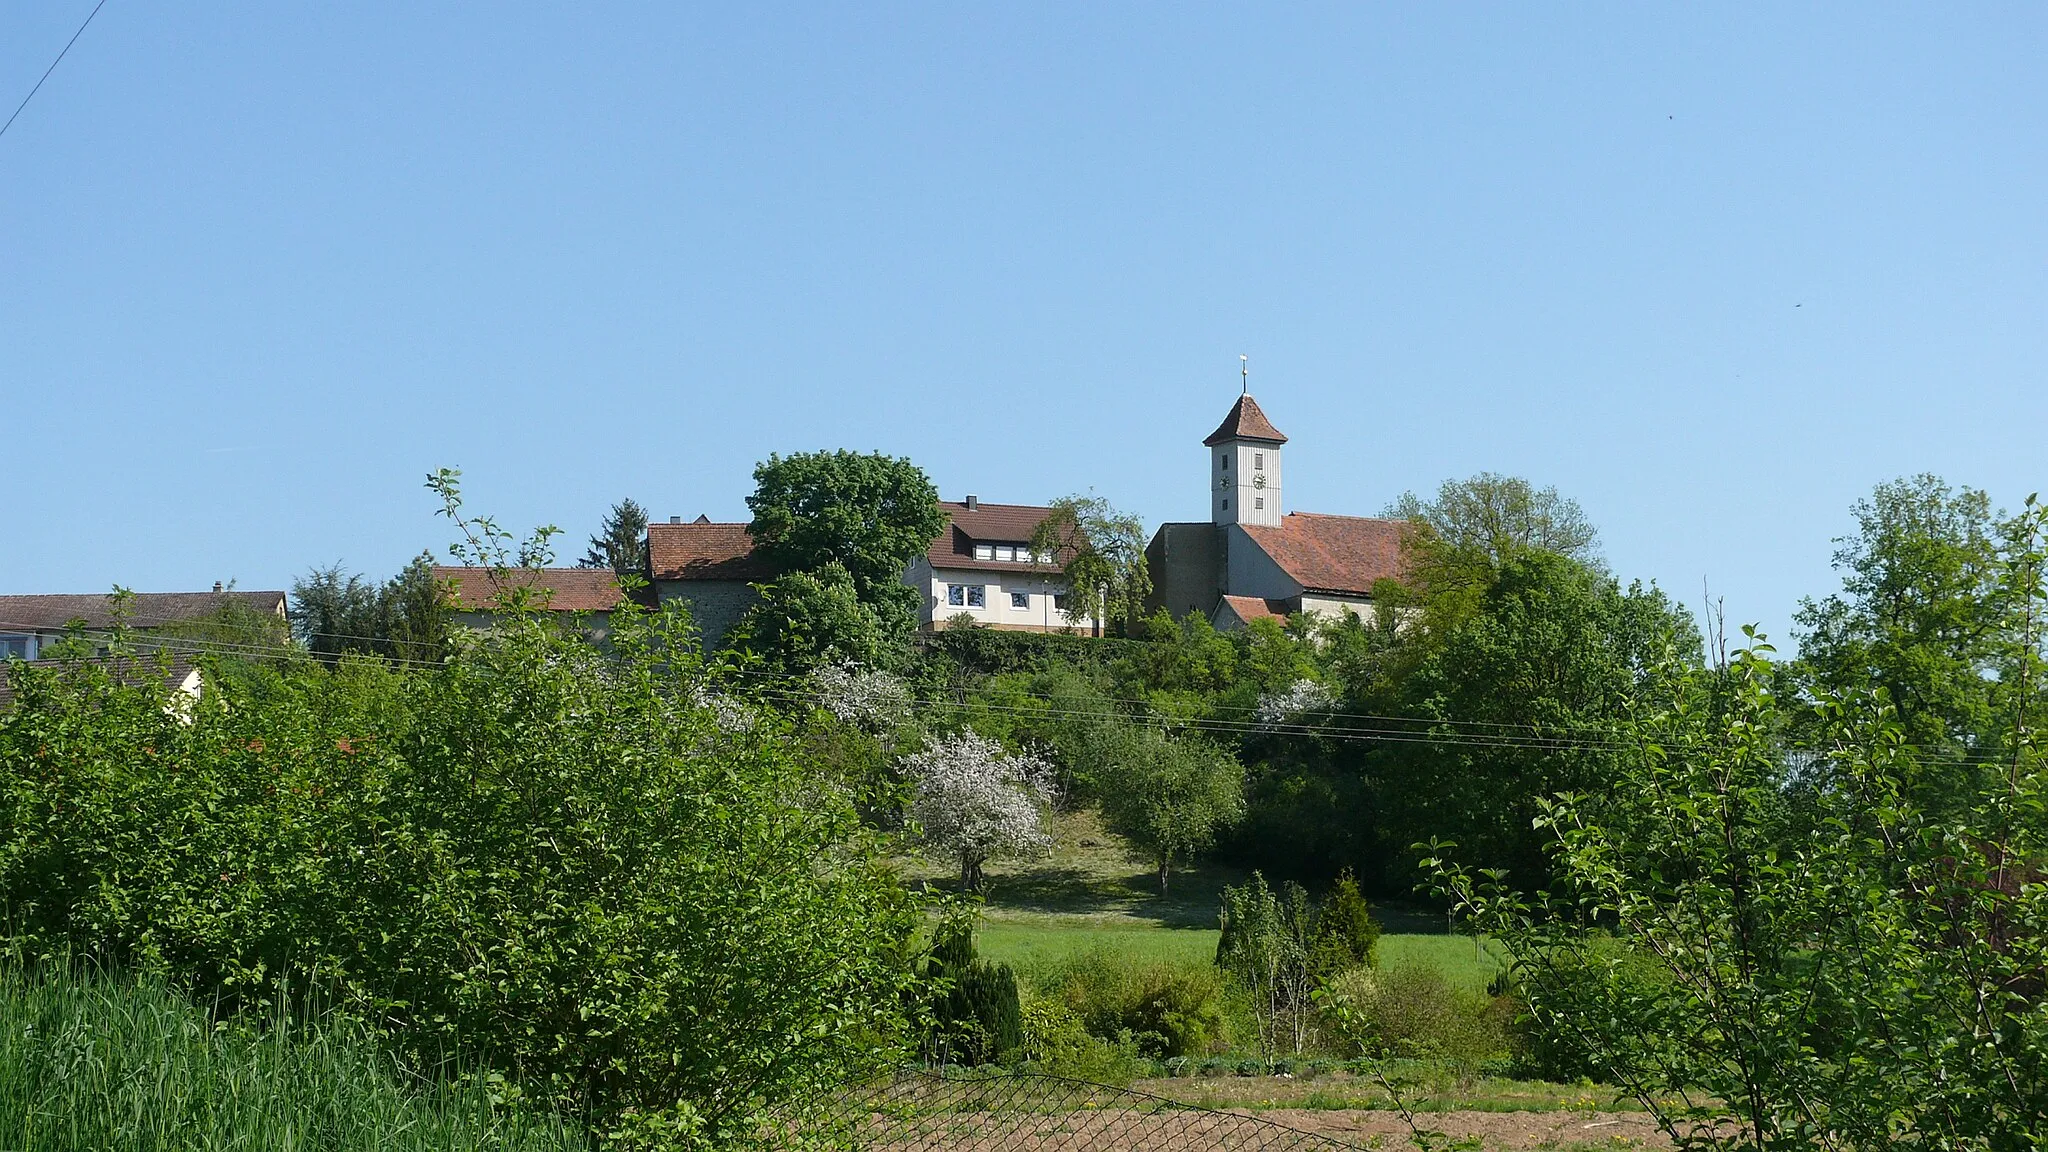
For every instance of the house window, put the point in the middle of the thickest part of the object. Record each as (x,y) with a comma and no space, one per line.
(1005,552)
(14,646)
(956,595)
(977,596)
(1020,599)
(1258,461)
(1059,601)
(984,551)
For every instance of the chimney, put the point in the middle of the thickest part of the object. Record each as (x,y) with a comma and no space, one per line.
(675,519)
(973,501)
(218,587)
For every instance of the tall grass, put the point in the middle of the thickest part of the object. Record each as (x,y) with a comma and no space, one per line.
(130,1066)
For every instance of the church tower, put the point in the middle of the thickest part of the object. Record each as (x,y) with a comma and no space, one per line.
(1244,467)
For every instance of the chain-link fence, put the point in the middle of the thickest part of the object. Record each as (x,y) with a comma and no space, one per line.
(959,1111)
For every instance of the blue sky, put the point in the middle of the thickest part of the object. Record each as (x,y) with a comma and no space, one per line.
(1711,272)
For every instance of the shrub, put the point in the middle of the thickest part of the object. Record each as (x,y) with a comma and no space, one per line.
(1347,935)
(1412,1012)
(977,1018)
(1055,1041)
(563,864)
(1163,1010)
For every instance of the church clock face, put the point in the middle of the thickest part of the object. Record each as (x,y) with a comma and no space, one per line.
(1223,485)
(1259,481)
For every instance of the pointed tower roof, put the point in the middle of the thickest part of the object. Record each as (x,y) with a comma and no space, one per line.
(1245,422)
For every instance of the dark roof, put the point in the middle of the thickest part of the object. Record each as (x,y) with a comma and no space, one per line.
(986,524)
(704,551)
(568,589)
(1340,554)
(1245,422)
(25,613)
(1250,608)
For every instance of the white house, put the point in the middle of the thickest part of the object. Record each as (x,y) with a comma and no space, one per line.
(981,567)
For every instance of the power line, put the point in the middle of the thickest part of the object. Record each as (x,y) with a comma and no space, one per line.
(53,67)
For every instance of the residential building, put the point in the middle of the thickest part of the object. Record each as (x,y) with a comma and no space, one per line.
(981,567)
(30,624)
(710,567)
(475,592)
(1254,559)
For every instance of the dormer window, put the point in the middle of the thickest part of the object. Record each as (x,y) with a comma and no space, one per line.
(984,551)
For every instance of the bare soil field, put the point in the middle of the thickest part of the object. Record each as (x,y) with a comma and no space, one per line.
(1274,1130)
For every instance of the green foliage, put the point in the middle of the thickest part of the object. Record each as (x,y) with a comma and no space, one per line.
(977,652)
(1842,964)
(1922,615)
(130,1066)
(1268,945)
(1476,526)
(1347,935)
(869,514)
(1159,1010)
(621,541)
(406,618)
(1411,1012)
(586,870)
(1167,794)
(1101,553)
(977,1017)
(810,620)
(1057,1043)
(1523,688)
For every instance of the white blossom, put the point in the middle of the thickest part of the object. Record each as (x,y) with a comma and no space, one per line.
(978,801)
(1299,698)
(866,698)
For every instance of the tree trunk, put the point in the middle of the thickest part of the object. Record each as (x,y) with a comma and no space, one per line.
(970,874)
(1165,869)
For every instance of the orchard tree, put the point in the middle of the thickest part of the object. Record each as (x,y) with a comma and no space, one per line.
(1102,560)
(977,801)
(621,541)
(869,514)
(1473,527)
(1168,795)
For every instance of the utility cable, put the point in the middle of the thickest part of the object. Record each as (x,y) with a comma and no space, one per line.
(53,67)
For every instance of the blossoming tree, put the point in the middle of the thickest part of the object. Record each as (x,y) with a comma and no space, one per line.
(977,801)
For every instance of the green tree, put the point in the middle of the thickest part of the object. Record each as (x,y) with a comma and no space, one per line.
(869,514)
(810,620)
(1516,701)
(1267,944)
(1768,965)
(406,618)
(1101,552)
(1168,795)
(1920,615)
(1475,526)
(621,541)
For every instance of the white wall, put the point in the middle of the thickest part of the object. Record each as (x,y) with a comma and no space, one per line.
(1243,491)
(995,611)
(1250,572)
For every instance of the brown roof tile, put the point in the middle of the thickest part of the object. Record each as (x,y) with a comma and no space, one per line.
(986,524)
(1342,554)
(1245,422)
(1250,608)
(148,608)
(569,589)
(704,551)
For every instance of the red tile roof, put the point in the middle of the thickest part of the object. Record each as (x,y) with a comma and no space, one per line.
(704,551)
(1245,422)
(1250,608)
(1341,554)
(27,613)
(569,589)
(986,524)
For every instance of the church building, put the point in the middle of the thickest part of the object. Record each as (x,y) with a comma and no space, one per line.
(1254,559)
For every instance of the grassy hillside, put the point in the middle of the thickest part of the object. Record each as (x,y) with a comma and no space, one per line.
(1088,892)
(126,1066)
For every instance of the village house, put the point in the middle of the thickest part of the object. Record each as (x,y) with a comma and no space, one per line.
(1255,560)
(474,593)
(30,624)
